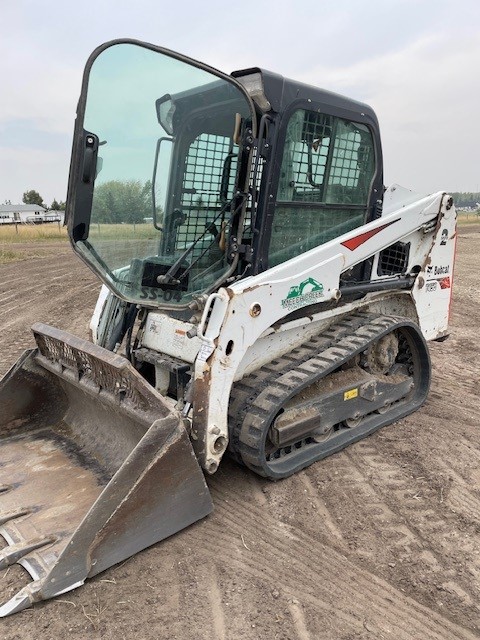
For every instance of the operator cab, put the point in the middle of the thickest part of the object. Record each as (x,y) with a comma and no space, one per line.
(327,177)
(173,190)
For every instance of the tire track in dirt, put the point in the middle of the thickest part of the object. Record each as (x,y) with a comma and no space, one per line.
(209,582)
(299,621)
(439,413)
(325,574)
(27,291)
(417,502)
(453,480)
(374,513)
(469,450)
(324,516)
(68,306)
(198,580)
(462,500)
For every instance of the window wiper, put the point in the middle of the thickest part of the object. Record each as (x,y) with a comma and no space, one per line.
(169,277)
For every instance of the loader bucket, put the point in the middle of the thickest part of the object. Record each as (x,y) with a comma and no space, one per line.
(95,465)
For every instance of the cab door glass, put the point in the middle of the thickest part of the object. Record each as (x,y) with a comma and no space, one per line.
(167,161)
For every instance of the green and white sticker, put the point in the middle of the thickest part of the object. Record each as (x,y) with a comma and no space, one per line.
(308,291)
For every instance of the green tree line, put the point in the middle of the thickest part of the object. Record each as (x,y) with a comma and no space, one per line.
(122,201)
(33,197)
(115,201)
(466,199)
(131,201)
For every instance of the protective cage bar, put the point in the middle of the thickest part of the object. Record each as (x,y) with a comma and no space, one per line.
(201,186)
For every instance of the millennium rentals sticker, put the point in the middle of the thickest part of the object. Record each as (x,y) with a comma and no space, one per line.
(308,291)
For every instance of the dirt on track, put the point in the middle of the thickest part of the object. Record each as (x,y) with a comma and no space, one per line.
(379,541)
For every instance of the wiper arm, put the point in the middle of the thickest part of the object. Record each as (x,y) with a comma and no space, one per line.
(192,264)
(169,277)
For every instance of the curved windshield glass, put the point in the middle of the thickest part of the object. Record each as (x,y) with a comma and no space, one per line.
(166,159)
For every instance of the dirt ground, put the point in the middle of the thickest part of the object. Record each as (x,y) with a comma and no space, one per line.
(379,541)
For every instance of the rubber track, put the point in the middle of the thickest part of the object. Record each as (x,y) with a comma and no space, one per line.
(257,398)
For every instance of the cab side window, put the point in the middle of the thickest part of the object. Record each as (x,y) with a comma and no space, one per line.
(327,169)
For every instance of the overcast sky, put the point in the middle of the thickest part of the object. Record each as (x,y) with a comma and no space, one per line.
(416,62)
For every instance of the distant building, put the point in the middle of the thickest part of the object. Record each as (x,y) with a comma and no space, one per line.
(28,214)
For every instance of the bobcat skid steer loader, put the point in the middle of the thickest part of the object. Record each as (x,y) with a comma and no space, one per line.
(273,300)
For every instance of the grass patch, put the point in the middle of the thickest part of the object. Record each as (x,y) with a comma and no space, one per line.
(124,231)
(468,218)
(10,256)
(51,232)
(44,233)
(32,233)
(7,255)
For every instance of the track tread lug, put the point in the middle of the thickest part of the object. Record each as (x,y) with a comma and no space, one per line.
(257,398)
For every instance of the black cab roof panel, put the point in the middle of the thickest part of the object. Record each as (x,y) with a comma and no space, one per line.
(271,91)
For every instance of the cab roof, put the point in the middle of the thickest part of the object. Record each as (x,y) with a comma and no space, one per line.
(280,93)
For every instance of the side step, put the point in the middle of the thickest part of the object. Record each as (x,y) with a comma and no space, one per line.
(95,465)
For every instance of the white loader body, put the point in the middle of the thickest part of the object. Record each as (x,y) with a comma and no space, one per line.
(238,332)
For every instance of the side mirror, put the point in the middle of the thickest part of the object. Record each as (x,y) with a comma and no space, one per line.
(165,107)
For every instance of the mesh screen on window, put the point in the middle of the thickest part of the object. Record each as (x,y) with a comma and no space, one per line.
(325,159)
(326,173)
(202,181)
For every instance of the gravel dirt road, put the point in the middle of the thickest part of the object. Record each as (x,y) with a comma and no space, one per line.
(379,541)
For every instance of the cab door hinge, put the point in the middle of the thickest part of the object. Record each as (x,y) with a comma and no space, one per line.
(244,250)
(248,141)
(263,149)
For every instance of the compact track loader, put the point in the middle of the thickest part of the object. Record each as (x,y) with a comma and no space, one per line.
(273,300)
